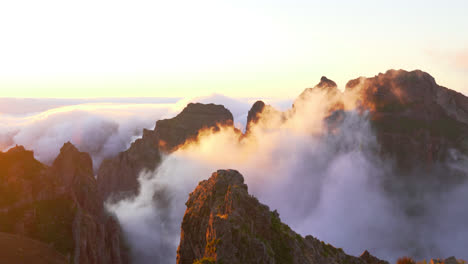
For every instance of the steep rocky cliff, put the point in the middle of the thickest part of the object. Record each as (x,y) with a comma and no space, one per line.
(416,120)
(118,177)
(224,224)
(58,205)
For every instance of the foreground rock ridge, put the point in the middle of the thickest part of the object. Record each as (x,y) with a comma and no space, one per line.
(118,177)
(223,223)
(58,205)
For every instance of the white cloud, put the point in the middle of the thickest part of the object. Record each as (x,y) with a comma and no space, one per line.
(329,185)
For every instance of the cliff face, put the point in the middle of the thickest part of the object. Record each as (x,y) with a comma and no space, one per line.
(59,206)
(224,224)
(118,177)
(417,122)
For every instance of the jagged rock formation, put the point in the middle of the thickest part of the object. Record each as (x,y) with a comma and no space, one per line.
(118,176)
(224,224)
(186,125)
(58,205)
(254,114)
(416,120)
(325,92)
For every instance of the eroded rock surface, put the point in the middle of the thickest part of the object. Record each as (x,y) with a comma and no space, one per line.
(223,223)
(58,205)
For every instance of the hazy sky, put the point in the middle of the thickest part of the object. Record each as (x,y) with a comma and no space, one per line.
(237,48)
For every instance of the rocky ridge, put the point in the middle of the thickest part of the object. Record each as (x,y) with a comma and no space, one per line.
(118,177)
(223,223)
(59,206)
(417,122)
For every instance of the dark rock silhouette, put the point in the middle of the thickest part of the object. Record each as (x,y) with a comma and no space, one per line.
(254,114)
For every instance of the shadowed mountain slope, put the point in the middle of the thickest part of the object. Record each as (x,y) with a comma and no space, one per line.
(58,205)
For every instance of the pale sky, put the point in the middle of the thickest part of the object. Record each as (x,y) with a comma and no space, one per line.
(241,48)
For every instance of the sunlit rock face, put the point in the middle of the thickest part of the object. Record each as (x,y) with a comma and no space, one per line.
(118,177)
(417,121)
(186,125)
(59,205)
(224,224)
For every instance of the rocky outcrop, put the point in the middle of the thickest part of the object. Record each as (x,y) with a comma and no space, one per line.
(118,177)
(186,125)
(416,120)
(59,206)
(325,93)
(254,114)
(224,224)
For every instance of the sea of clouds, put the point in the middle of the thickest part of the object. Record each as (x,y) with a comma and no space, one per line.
(323,177)
(102,127)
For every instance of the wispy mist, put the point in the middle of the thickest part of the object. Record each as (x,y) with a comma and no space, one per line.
(325,179)
(102,130)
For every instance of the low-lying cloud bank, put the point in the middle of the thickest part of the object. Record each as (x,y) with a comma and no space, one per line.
(101,127)
(102,130)
(323,177)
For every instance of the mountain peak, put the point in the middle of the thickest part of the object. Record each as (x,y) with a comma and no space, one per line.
(224,223)
(326,83)
(254,114)
(117,177)
(195,116)
(71,157)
